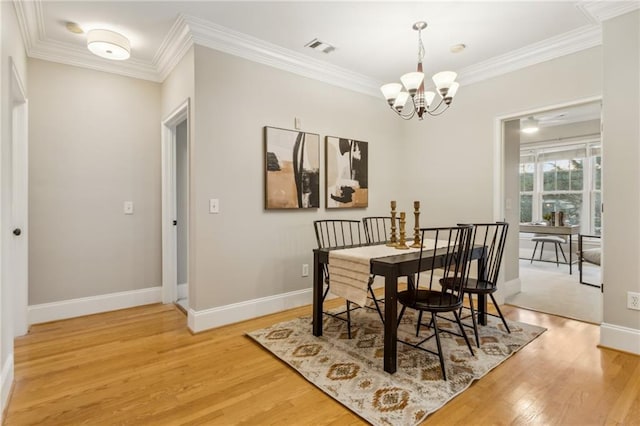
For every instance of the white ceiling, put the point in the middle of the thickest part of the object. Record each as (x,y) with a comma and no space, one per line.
(374,40)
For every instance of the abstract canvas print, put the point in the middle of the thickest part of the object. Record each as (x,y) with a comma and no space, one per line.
(292,169)
(347,173)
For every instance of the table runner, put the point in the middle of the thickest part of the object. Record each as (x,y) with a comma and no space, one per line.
(349,269)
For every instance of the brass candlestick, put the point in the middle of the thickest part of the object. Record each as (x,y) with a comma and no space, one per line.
(416,228)
(402,244)
(394,240)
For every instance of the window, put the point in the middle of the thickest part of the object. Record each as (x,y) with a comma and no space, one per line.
(562,178)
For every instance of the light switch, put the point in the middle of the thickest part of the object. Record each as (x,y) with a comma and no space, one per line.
(297,123)
(508,204)
(128,207)
(214,205)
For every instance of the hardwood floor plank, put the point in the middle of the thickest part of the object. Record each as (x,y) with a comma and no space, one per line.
(143,366)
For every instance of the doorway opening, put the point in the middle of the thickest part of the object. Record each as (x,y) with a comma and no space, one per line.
(175,208)
(552,190)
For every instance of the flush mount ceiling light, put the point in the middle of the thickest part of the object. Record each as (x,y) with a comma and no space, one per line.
(529,125)
(421,101)
(108,44)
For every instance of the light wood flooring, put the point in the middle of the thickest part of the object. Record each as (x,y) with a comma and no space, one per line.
(141,366)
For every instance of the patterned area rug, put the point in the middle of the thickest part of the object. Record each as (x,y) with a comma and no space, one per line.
(351,371)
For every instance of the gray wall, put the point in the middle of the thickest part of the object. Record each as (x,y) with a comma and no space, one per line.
(246,252)
(621,168)
(94,143)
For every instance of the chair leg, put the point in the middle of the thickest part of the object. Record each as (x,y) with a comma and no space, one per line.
(466,339)
(326,291)
(500,313)
(557,259)
(375,302)
(473,319)
(435,327)
(400,316)
(418,325)
(349,319)
(562,251)
(534,252)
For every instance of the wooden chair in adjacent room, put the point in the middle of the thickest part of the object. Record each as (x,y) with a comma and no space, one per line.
(452,248)
(493,237)
(336,234)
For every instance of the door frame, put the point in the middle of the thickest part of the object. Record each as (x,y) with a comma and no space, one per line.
(169,230)
(19,209)
(499,161)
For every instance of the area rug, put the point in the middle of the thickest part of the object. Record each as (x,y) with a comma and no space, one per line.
(351,370)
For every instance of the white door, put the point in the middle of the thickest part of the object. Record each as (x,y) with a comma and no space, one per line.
(16,227)
(169,204)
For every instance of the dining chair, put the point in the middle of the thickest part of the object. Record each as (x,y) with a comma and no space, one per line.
(336,234)
(377,230)
(447,248)
(492,237)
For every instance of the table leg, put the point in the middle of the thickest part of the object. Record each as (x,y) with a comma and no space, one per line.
(390,322)
(318,278)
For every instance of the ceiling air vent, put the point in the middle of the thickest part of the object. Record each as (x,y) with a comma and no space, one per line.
(321,46)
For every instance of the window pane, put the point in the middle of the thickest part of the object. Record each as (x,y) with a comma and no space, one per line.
(526,207)
(563,180)
(577,181)
(549,176)
(570,204)
(597,171)
(526,177)
(597,213)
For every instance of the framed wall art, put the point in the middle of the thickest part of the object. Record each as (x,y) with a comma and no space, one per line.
(292,169)
(347,173)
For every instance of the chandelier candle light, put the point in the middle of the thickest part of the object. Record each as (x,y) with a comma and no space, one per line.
(421,101)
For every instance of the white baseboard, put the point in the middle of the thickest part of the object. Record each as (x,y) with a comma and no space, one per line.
(64,309)
(6,381)
(183,291)
(620,338)
(223,315)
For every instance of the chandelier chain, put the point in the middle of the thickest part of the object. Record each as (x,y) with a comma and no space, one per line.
(420,47)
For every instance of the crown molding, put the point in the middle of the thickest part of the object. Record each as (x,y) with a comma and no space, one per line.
(545,50)
(174,46)
(68,54)
(220,38)
(601,10)
(32,28)
(189,30)
(27,19)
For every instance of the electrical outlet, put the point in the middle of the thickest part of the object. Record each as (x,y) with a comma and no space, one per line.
(305,269)
(633,300)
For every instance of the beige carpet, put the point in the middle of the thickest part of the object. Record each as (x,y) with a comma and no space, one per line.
(550,289)
(351,370)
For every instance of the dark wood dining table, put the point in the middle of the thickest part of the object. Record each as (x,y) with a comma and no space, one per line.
(391,268)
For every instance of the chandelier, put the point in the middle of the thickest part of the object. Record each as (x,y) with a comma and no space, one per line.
(413,82)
